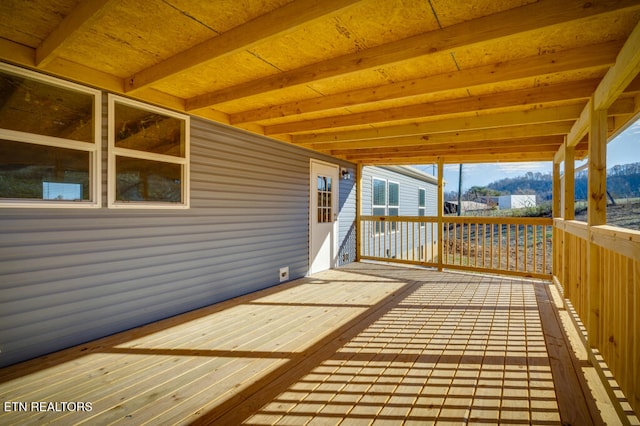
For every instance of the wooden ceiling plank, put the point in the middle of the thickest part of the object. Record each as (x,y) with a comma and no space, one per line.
(460,159)
(545,149)
(524,131)
(476,122)
(276,23)
(82,17)
(475,145)
(602,55)
(533,16)
(619,76)
(574,91)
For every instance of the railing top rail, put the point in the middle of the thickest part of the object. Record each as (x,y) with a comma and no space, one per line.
(466,219)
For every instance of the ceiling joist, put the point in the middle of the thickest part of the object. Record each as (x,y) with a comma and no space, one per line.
(269,26)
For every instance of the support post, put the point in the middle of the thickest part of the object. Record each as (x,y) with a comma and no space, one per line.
(596,215)
(440,211)
(358,211)
(569,190)
(558,235)
(555,197)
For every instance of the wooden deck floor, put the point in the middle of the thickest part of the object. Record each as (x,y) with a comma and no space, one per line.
(364,344)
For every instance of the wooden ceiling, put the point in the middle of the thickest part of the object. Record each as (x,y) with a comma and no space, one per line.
(370,81)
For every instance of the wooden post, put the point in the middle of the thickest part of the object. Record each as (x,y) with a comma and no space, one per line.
(569,190)
(558,237)
(568,213)
(596,215)
(555,197)
(358,211)
(440,211)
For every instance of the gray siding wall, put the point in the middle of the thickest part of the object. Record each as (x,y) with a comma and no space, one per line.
(408,191)
(409,198)
(71,275)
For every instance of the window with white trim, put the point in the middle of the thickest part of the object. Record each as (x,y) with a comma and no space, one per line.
(49,141)
(393,202)
(422,204)
(385,201)
(148,156)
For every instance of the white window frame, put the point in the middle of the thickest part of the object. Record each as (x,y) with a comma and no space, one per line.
(422,208)
(94,149)
(389,206)
(114,151)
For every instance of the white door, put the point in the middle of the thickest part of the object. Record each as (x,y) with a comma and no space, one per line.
(323,232)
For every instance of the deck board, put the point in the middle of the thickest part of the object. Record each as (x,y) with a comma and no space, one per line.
(363,344)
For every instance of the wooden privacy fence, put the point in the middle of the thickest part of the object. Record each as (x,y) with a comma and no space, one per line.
(517,246)
(598,268)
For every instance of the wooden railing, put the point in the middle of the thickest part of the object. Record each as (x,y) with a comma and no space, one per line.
(516,246)
(608,303)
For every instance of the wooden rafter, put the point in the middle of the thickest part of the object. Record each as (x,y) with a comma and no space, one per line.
(274,24)
(491,27)
(487,121)
(534,66)
(83,15)
(573,92)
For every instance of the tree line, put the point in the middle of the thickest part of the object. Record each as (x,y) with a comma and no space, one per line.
(623,181)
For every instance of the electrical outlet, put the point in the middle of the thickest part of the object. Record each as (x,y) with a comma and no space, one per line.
(284,274)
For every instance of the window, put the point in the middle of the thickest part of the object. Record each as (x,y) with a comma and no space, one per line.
(325,199)
(422,204)
(379,201)
(394,202)
(49,141)
(385,201)
(148,156)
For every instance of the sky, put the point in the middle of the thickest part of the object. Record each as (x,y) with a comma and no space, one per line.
(623,149)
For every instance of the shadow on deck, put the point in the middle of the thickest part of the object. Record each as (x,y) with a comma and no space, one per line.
(365,343)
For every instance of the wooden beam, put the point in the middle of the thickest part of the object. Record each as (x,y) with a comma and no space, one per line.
(473,122)
(556,194)
(594,56)
(531,17)
(83,16)
(17,53)
(523,98)
(522,143)
(440,162)
(409,154)
(569,183)
(621,74)
(457,159)
(510,132)
(358,211)
(596,215)
(597,201)
(260,30)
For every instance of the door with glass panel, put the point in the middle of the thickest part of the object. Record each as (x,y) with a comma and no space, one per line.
(323,233)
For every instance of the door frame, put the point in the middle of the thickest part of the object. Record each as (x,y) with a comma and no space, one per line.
(313,185)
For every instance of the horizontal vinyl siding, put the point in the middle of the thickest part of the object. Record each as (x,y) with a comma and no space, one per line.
(71,275)
(409,200)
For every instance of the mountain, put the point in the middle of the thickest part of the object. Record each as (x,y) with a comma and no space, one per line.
(623,181)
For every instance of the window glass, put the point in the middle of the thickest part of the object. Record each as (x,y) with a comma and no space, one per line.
(33,106)
(40,172)
(145,180)
(148,131)
(148,155)
(379,192)
(394,194)
(49,141)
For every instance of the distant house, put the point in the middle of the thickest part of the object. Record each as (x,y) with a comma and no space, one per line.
(399,191)
(451,207)
(516,201)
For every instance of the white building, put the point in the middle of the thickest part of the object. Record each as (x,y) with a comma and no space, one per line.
(516,201)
